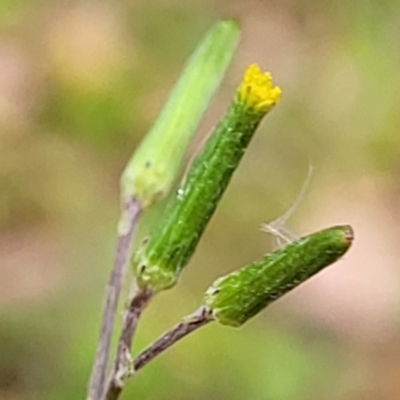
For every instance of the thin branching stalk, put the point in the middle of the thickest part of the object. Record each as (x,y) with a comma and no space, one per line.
(129,218)
(187,325)
(123,362)
(183,328)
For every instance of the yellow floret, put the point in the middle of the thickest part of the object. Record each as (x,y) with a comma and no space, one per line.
(257,91)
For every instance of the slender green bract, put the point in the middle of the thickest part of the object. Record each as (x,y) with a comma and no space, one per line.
(235,298)
(176,235)
(155,164)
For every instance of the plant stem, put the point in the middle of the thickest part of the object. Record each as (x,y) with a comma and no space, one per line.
(188,324)
(129,218)
(123,364)
(183,328)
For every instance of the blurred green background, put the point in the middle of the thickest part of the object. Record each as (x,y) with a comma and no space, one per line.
(80,84)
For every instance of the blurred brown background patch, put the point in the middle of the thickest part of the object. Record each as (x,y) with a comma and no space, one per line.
(81,82)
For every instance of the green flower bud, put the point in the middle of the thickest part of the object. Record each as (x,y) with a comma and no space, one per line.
(235,298)
(155,164)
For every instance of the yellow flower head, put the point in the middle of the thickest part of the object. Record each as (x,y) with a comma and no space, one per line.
(257,91)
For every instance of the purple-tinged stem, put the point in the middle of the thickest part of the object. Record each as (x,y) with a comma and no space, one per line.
(130,215)
(188,324)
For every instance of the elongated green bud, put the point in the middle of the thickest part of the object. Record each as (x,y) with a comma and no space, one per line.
(155,164)
(178,232)
(235,298)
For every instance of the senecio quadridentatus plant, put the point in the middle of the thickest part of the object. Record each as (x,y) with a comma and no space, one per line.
(159,260)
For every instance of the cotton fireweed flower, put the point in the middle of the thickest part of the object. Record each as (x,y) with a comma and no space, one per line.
(236,297)
(257,91)
(170,245)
